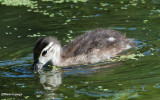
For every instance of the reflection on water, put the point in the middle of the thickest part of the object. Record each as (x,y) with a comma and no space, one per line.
(50,80)
(16,67)
(101,80)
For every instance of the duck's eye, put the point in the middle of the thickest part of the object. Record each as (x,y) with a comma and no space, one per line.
(44,52)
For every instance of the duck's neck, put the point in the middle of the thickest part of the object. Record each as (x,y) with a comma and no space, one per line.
(57,56)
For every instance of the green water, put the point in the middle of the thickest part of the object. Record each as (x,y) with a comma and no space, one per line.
(22,22)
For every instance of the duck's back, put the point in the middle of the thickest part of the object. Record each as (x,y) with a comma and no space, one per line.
(100,39)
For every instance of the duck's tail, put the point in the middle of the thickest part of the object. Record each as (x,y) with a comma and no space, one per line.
(129,44)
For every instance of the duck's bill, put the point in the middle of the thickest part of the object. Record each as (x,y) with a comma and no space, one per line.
(37,67)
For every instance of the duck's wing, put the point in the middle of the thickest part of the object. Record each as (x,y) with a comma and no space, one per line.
(97,39)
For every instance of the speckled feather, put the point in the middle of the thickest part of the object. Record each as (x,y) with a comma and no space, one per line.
(97,39)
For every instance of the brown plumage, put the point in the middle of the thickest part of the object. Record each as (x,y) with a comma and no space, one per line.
(97,39)
(91,47)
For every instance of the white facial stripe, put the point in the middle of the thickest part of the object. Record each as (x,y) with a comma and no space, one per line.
(42,59)
(48,46)
(51,48)
(111,39)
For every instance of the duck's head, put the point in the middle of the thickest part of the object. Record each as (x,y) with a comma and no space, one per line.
(45,50)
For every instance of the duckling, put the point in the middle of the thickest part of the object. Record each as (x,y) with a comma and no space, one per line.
(91,47)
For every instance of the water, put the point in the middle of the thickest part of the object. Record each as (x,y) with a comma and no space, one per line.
(22,23)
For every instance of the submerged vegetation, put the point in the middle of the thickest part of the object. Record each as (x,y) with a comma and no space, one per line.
(126,57)
(36,35)
(27,3)
(37,6)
